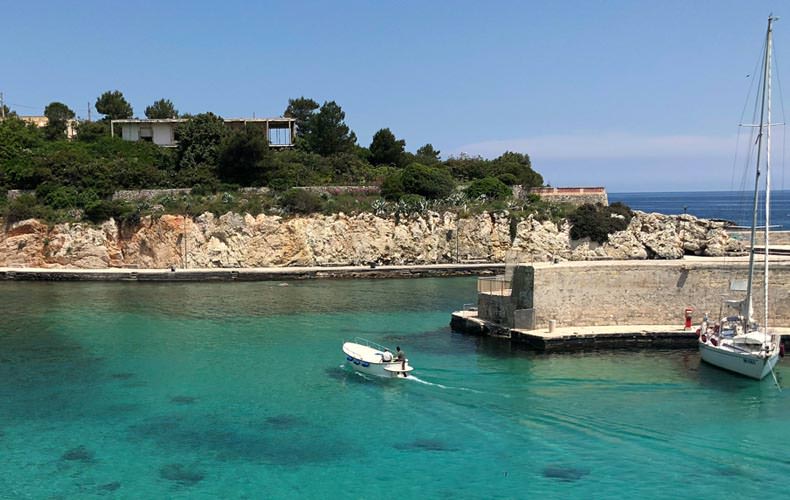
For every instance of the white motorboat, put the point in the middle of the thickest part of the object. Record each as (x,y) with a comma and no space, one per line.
(738,343)
(375,359)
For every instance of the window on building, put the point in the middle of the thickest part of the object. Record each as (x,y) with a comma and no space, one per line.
(147,134)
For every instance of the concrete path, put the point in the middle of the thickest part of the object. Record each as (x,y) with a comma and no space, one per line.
(248,274)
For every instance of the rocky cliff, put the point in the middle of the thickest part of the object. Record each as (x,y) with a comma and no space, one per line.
(234,240)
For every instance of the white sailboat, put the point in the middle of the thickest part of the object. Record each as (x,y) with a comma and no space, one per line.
(738,343)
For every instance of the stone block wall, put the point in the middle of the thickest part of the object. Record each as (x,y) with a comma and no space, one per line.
(572,195)
(631,293)
(776,237)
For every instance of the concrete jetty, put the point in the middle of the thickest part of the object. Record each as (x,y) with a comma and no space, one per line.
(582,338)
(249,274)
(569,306)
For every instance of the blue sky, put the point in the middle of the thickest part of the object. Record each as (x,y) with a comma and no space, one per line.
(631,95)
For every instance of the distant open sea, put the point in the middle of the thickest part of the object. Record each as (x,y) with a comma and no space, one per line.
(734,206)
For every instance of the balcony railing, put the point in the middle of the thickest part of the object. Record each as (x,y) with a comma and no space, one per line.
(496,285)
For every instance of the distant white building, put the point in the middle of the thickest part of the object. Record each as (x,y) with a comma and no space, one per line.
(279,132)
(43,121)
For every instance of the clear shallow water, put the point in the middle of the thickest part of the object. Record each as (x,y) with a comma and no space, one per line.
(236,390)
(735,206)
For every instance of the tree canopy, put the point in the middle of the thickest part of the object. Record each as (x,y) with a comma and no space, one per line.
(519,166)
(163,108)
(199,140)
(114,106)
(385,149)
(327,132)
(243,156)
(79,176)
(301,109)
(58,115)
(427,155)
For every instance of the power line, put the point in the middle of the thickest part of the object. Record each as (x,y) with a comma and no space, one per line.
(23,106)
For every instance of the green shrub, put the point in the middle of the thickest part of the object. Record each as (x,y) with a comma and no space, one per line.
(467,167)
(348,204)
(26,207)
(490,187)
(92,131)
(301,201)
(430,182)
(508,178)
(98,211)
(56,196)
(597,222)
(392,185)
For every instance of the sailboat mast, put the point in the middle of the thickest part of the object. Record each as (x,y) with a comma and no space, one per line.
(768,59)
(746,313)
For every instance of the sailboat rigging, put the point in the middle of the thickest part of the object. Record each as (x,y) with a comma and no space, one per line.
(739,343)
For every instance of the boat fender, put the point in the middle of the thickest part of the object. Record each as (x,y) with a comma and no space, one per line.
(356,361)
(698,331)
(704,338)
(349,358)
(782,350)
(714,341)
(365,364)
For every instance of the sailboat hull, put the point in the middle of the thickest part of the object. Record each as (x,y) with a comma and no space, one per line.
(748,364)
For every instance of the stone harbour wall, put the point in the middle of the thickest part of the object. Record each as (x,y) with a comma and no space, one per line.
(630,293)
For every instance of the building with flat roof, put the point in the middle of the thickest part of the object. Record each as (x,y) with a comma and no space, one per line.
(280,132)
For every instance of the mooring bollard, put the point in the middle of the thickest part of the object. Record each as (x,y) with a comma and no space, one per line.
(552,325)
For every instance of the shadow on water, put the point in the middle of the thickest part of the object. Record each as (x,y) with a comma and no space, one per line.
(183,400)
(426,444)
(564,473)
(45,374)
(78,454)
(276,440)
(185,475)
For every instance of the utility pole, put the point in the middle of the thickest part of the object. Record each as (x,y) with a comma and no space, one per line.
(2,106)
(89,111)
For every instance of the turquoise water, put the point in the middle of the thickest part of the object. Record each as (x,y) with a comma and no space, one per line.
(236,390)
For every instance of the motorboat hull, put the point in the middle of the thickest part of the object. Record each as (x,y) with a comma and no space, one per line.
(367,359)
(751,365)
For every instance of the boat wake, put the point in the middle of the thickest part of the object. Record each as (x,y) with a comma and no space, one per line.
(414,378)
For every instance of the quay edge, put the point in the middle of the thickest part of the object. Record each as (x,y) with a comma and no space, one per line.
(250,274)
(579,339)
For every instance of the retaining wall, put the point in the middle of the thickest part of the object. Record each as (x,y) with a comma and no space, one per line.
(629,293)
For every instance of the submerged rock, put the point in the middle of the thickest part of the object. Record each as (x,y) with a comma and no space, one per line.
(80,453)
(183,400)
(110,486)
(181,474)
(566,474)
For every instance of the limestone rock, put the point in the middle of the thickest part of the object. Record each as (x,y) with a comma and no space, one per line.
(234,240)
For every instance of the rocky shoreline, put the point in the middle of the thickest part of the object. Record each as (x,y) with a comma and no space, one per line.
(246,241)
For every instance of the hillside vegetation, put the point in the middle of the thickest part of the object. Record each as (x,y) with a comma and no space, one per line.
(74,180)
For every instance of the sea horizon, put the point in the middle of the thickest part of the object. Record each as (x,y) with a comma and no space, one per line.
(731,206)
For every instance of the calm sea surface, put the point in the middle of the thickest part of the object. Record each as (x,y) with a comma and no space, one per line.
(735,206)
(237,390)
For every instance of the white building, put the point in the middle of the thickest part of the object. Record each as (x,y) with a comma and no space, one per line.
(279,132)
